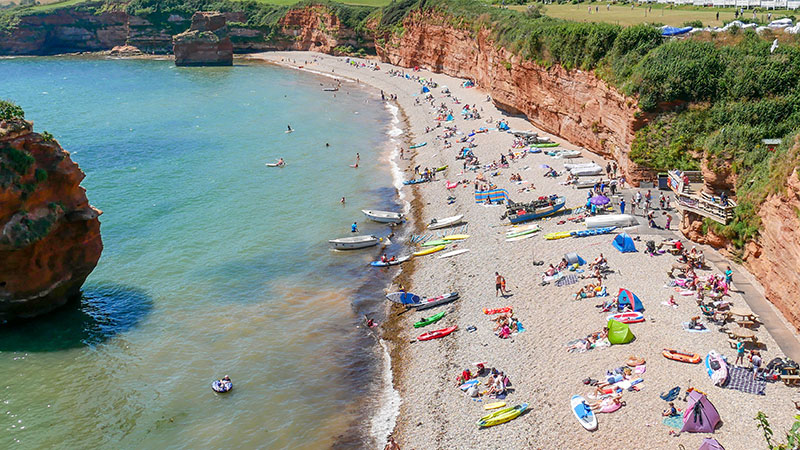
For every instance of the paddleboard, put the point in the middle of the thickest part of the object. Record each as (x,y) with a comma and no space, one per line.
(455,237)
(453,253)
(434,243)
(583,412)
(520,238)
(522,233)
(274,165)
(469,384)
(494,405)
(430,250)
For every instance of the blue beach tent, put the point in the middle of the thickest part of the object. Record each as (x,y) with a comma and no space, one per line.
(628,298)
(624,243)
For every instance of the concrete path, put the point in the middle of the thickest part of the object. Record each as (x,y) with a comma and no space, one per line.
(786,339)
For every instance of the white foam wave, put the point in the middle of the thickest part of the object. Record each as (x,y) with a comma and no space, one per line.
(383,422)
(397,174)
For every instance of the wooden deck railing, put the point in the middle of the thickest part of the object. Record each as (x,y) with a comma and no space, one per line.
(699,202)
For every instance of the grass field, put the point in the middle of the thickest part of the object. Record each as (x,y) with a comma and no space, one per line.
(624,15)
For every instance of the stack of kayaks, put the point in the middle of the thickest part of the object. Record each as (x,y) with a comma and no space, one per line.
(592,232)
(432,319)
(518,234)
(558,235)
(502,416)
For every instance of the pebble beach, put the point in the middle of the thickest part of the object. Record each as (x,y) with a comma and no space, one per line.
(434,412)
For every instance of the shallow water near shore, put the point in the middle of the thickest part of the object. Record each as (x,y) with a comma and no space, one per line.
(213,264)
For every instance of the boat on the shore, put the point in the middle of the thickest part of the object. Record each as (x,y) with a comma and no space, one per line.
(586,171)
(395,262)
(445,222)
(523,212)
(592,232)
(416,181)
(383,216)
(567,154)
(354,242)
(426,303)
(429,250)
(429,320)
(330,89)
(675,355)
(717,368)
(627,317)
(502,416)
(610,220)
(437,333)
(403,298)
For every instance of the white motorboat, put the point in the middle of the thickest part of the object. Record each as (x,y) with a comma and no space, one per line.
(446,222)
(587,171)
(610,220)
(568,154)
(354,242)
(383,216)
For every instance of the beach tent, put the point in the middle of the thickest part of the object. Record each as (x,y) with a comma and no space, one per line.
(700,415)
(619,333)
(494,196)
(574,258)
(628,298)
(624,243)
(425,89)
(711,444)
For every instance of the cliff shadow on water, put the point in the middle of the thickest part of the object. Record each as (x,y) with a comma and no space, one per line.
(103,311)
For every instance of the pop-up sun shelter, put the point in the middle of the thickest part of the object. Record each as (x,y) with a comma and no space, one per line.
(711,444)
(700,415)
(624,243)
(626,298)
(619,333)
(574,258)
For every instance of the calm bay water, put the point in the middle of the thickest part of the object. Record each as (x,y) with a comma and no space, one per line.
(213,263)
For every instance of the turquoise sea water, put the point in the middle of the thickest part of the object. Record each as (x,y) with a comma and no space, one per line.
(213,263)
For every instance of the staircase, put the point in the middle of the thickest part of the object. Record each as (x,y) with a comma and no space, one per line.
(688,189)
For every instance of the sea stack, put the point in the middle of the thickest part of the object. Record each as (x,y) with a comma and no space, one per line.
(49,233)
(205,43)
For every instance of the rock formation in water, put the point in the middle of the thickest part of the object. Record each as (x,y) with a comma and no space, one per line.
(206,43)
(49,233)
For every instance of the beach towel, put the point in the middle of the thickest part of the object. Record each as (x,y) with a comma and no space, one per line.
(741,379)
(685,326)
(674,422)
(567,280)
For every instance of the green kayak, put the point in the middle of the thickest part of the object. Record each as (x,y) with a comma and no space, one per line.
(544,145)
(435,243)
(429,320)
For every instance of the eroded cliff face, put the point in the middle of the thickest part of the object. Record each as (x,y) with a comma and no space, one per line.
(66,30)
(314,28)
(49,234)
(774,258)
(574,104)
(206,43)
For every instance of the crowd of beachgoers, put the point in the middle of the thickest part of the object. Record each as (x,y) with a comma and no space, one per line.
(636,320)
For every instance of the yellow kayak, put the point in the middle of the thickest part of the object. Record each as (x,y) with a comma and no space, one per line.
(455,237)
(428,251)
(502,416)
(494,405)
(557,235)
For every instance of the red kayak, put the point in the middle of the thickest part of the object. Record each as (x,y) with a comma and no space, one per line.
(436,334)
(627,317)
(497,310)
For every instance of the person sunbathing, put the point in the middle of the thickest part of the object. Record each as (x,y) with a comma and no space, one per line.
(551,271)
(606,403)
(505,332)
(562,265)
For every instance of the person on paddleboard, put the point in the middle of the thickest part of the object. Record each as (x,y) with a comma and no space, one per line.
(281,162)
(289,128)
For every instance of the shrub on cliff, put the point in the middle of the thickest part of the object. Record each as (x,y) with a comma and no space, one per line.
(10,111)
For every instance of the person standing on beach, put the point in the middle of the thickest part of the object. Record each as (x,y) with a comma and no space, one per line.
(669,221)
(739,353)
(499,285)
(622,206)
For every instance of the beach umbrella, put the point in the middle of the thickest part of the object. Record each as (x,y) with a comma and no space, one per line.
(600,200)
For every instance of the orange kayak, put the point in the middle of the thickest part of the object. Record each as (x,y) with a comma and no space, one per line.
(497,310)
(692,358)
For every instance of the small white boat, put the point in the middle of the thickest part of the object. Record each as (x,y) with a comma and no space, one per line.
(587,171)
(354,242)
(446,222)
(568,154)
(383,216)
(610,220)
(570,166)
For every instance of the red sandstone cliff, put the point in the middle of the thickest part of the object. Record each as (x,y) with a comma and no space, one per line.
(774,258)
(205,43)
(575,105)
(315,28)
(65,30)
(49,234)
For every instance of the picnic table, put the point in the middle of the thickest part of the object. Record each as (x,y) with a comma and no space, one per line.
(789,376)
(743,334)
(747,317)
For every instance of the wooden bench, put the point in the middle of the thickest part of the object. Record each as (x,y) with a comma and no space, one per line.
(790,380)
(746,323)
